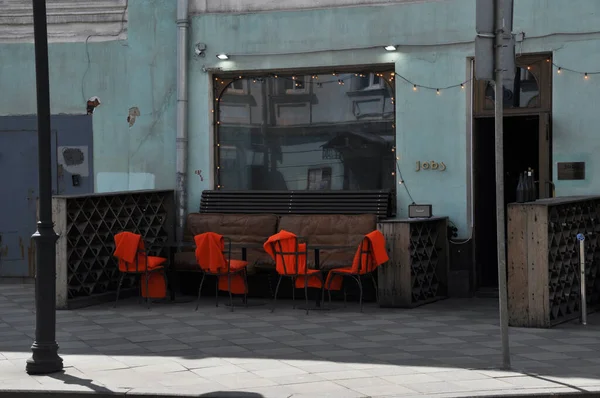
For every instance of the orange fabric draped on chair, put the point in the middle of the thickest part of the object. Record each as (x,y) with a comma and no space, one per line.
(371,253)
(292,264)
(133,259)
(212,260)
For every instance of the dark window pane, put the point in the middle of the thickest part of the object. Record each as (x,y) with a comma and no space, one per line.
(520,91)
(326,138)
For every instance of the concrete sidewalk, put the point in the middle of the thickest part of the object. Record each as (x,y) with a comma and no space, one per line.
(447,349)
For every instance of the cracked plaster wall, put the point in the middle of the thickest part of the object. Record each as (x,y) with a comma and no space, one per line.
(428,126)
(139,71)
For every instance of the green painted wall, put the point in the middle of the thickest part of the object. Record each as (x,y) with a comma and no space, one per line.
(139,72)
(429,126)
(436,39)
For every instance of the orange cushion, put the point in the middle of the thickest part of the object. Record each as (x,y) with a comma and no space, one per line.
(342,271)
(157,286)
(236,265)
(155,262)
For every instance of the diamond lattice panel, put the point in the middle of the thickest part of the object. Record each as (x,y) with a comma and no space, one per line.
(564,223)
(92,223)
(424,261)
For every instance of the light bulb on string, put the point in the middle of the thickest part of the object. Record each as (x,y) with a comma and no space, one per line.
(462,86)
(585,76)
(558,70)
(437,91)
(414,87)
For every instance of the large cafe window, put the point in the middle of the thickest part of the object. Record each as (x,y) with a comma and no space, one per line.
(330,131)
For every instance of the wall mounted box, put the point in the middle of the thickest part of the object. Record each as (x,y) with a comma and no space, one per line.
(419,211)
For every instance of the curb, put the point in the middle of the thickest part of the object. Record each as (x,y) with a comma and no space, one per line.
(233,394)
(76,394)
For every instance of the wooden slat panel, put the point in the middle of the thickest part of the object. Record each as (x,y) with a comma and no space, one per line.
(298,202)
(518,282)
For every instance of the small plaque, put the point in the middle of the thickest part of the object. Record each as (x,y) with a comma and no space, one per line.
(571,171)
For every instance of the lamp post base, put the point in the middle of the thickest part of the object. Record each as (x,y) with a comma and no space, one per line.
(44,360)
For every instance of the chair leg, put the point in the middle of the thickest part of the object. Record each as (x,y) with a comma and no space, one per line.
(322,292)
(276,291)
(376,288)
(345,296)
(140,289)
(245,288)
(217,294)
(328,287)
(294,293)
(306,292)
(360,288)
(200,290)
(119,287)
(164,272)
(270,284)
(147,277)
(229,291)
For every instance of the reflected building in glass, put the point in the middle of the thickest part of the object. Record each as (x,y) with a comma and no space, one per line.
(306,132)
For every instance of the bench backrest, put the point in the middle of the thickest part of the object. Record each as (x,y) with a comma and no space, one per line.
(377,202)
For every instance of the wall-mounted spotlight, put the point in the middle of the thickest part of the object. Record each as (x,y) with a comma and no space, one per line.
(390,48)
(223,57)
(200,49)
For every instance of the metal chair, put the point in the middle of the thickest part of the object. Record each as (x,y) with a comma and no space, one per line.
(292,263)
(143,265)
(356,271)
(232,268)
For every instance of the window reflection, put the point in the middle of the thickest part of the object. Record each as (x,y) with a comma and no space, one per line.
(315,132)
(520,91)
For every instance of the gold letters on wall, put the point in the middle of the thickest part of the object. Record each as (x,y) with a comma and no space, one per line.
(432,165)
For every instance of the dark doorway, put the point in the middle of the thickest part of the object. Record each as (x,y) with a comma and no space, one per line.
(521,151)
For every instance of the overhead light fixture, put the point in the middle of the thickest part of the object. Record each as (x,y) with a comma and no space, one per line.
(223,56)
(390,48)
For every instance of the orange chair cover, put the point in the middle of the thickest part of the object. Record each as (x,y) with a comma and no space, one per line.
(127,245)
(210,257)
(373,256)
(285,264)
(157,286)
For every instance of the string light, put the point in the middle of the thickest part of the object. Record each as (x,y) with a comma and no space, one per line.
(560,69)
(437,91)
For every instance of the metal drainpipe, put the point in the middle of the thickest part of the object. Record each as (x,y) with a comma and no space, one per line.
(183,24)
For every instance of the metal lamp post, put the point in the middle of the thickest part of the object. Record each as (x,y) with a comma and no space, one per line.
(44,357)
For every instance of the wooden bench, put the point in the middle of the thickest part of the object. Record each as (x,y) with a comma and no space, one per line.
(324,217)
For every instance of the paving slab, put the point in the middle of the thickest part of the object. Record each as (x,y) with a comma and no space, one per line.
(450,348)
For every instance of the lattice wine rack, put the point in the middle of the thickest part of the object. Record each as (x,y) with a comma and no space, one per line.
(543,257)
(564,290)
(87,225)
(424,262)
(417,272)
